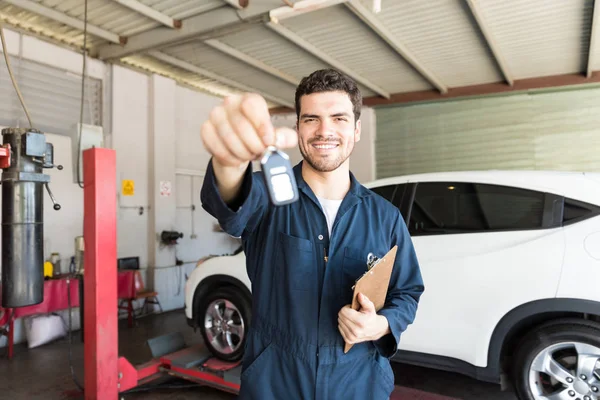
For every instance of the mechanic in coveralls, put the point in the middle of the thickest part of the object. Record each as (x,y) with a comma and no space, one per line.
(303,258)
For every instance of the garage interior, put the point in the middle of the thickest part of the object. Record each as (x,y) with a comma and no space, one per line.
(448,85)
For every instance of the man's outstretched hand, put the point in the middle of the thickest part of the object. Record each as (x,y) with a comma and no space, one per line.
(363,325)
(237,132)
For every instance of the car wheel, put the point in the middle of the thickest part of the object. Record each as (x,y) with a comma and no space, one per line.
(559,361)
(223,317)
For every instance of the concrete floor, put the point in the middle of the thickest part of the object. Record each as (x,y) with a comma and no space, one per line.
(44,373)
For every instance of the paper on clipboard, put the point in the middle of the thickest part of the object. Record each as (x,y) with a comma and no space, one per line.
(374,283)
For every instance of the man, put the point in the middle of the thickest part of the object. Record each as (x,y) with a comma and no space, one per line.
(303,258)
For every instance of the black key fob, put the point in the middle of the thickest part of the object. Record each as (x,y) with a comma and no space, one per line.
(279,177)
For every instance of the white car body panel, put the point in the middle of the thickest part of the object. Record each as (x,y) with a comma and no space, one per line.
(462,304)
(583,259)
(472,280)
(234,266)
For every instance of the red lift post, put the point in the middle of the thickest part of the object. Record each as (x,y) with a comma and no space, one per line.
(101,335)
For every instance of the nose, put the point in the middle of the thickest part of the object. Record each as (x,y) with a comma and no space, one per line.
(326,127)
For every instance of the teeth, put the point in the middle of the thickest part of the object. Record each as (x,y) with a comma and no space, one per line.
(325,146)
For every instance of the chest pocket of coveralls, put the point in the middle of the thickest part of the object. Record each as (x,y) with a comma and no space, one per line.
(355,265)
(298,269)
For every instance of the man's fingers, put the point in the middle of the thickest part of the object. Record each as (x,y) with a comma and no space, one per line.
(255,108)
(240,129)
(243,127)
(366,304)
(350,328)
(286,138)
(228,135)
(346,334)
(350,318)
(215,146)
(347,313)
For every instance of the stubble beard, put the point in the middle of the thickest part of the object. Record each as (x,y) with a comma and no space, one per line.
(324,164)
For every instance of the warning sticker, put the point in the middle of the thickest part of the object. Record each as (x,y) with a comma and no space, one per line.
(165,188)
(127,187)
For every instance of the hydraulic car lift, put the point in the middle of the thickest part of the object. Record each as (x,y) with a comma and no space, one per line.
(172,357)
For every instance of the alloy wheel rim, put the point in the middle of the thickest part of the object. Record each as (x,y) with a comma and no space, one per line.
(224,326)
(566,371)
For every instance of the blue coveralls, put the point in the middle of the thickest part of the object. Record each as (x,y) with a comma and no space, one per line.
(301,278)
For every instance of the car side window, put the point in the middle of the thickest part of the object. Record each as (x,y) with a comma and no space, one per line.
(456,207)
(395,194)
(387,191)
(575,211)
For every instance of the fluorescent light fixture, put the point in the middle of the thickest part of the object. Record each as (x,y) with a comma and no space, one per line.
(376,6)
(300,8)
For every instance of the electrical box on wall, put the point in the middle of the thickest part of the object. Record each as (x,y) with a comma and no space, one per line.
(91,136)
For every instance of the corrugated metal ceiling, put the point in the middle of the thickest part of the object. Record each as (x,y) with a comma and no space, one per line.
(200,54)
(337,31)
(193,80)
(44,27)
(541,37)
(444,38)
(536,38)
(275,51)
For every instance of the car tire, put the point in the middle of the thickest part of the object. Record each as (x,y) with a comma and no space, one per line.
(223,317)
(552,359)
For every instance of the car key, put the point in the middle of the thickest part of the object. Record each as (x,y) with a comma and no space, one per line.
(279,176)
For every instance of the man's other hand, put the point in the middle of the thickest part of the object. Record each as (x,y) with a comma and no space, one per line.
(363,325)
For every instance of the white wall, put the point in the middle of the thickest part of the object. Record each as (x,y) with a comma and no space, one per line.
(130,140)
(193,109)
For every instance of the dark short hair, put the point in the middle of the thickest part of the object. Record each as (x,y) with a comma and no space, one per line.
(329,80)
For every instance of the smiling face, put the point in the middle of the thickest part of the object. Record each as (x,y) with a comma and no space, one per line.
(327,131)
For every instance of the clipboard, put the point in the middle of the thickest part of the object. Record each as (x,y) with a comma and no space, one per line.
(374,283)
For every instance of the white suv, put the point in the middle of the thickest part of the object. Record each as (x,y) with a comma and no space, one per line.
(511,265)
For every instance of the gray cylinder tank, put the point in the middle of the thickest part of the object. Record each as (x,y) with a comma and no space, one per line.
(22,218)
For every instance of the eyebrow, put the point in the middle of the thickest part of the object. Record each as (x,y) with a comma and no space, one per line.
(338,114)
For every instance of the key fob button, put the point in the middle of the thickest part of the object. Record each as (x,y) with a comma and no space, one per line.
(279,177)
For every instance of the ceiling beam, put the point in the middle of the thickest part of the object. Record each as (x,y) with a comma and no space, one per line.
(555,82)
(593,34)
(200,27)
(491,42)
(530,85)
(150,12)
(63,18)
(211,75)
(377,26)
(245,58)
(300,42)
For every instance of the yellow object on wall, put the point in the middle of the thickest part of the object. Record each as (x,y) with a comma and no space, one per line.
(127,187)
(48,269)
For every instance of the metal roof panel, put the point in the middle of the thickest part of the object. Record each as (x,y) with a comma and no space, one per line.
(442,36)
(339,33)
(541,37)
(204,56)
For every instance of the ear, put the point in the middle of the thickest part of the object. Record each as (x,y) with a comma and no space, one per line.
(357,131)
